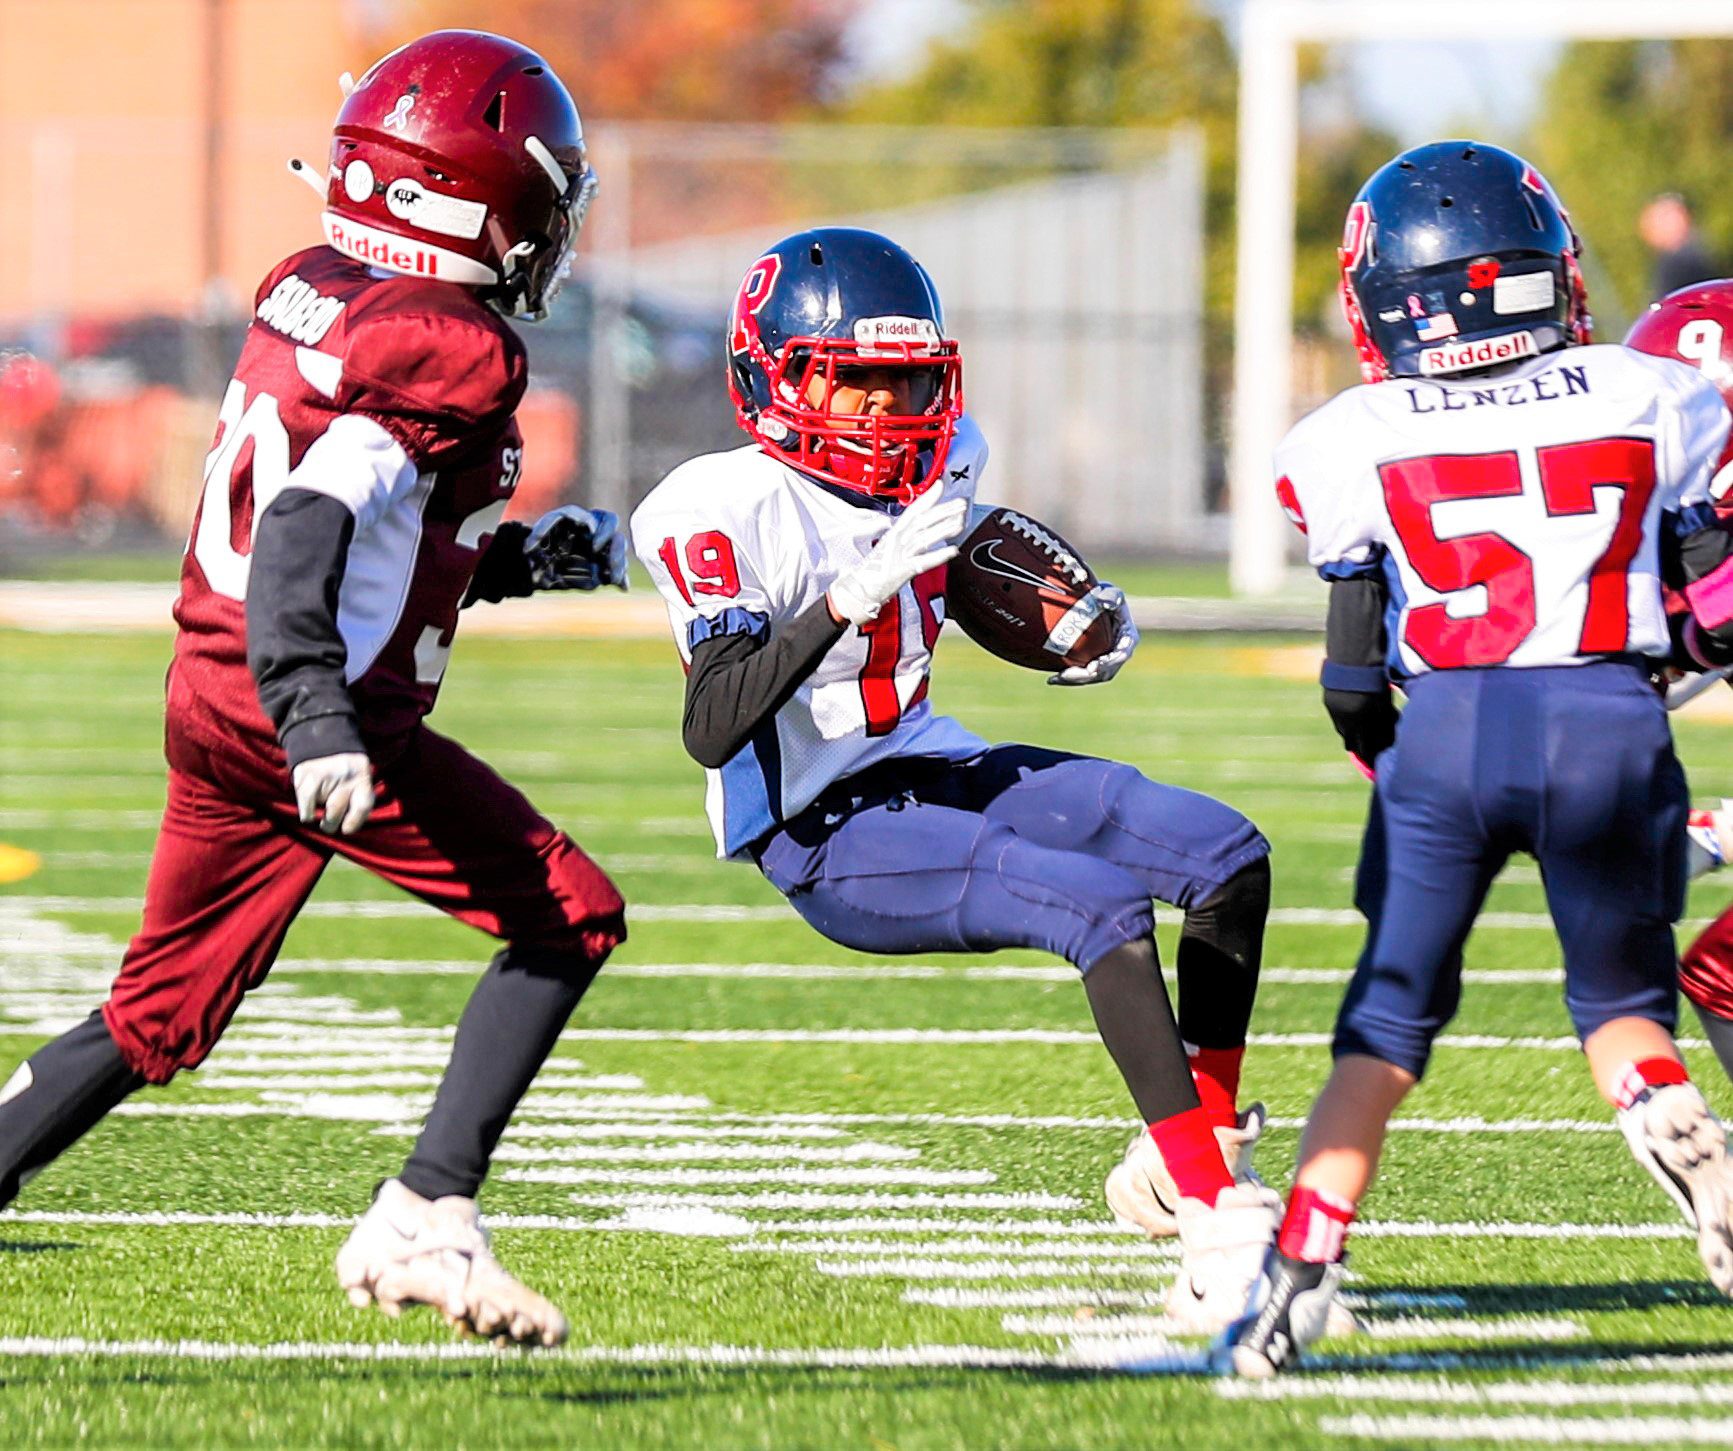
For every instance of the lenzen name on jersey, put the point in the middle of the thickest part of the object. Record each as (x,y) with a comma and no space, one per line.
(1541,388)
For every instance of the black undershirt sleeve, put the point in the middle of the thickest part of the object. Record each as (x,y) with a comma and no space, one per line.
(736,682)
(504,570)
(294,649)
(1356,687)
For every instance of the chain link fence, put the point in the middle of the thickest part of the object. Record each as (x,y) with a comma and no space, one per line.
(1070,263)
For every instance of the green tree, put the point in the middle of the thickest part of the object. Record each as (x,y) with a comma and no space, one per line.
(1144,63)
(1622,121)
(1107,63)
(665,60)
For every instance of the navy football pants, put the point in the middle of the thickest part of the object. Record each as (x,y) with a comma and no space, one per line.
(1018,847)
(1573,764)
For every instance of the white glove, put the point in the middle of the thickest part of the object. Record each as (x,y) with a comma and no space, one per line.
(342,785)
(1125,637)
(923,537)
(575,548)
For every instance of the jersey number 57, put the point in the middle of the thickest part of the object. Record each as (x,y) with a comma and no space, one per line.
(1569,475)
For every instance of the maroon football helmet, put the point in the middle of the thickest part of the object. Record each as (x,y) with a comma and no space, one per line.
(1695,325)
(461,156)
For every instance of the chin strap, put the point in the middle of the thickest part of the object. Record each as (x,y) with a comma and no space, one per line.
(300,169)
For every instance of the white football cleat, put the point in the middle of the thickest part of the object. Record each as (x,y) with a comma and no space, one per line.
(1292,1305)
(1677,1139)
(407,1250)
(1142,1194)
(1222,1254)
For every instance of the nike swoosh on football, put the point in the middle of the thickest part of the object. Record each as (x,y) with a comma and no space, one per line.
(984,557)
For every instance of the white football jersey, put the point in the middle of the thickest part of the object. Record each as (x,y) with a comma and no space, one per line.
(1517,519)
(738,542)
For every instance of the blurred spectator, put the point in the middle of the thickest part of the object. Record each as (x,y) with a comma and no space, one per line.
(1670,233)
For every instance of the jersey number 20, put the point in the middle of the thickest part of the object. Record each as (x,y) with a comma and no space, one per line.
(1569,475)
(213,543)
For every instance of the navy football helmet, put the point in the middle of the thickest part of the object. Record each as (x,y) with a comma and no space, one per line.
(1459,256)
(830,300)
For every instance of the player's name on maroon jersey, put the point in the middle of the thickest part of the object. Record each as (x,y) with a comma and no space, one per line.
(299,310)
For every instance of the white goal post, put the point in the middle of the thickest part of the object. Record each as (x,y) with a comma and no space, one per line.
(1271,32)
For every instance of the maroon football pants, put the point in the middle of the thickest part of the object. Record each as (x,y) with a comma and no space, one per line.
(1706,969)
(233,865)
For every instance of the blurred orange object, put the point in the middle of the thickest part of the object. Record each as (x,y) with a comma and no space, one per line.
(29,391)
(549,420)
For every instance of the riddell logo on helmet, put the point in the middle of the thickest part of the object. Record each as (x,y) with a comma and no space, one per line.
(916,330)
(1484,353)
(380,248)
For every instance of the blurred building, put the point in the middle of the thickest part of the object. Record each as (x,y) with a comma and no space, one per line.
(142,146)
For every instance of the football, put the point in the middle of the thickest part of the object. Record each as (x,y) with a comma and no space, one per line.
(1022,593)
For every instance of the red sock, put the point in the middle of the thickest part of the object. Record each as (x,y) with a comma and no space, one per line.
(1216,1072)
(1635,1079)
(1315,1226)
(1193,1156)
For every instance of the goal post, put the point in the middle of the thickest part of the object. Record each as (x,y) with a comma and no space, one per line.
(1271,32)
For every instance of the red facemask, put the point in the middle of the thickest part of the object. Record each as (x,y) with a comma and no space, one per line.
(889,455)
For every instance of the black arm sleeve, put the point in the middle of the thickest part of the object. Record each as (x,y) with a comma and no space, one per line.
(737,682)
(504,571)
(1356,688)
(1701,553)
(294,649)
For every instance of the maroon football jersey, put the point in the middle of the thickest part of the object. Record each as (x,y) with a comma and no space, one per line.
(396,395)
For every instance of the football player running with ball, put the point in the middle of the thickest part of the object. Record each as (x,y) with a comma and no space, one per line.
(364,456)
(804,578)
(1495,510)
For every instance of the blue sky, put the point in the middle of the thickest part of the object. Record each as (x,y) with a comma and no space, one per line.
(1418,91)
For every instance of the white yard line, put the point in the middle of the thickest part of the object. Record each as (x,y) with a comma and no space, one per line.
(557,1077)
(654,1129)
(397,1115)
(333,1069)
(1429,1229)
(890,1229)
(1515,1327)
(1473,1125)
(706,1152)
(988,1036)
(873,1199)
(925,1268)
(959,1297)
(1445,1391)
(1423,1229)
(1010,1249)
(727,912)
(843,1358)
(860,972)
(749,1176)
(1556,1430)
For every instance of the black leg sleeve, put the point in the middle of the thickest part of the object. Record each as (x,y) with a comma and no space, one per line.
(1135,1020)
(513,1019)
(1221,950)
(56,1098)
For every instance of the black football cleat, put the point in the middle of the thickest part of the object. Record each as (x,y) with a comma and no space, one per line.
(1289,1308)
